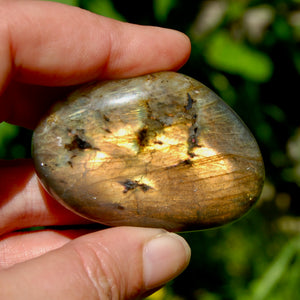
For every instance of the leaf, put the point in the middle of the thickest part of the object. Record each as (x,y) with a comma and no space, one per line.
(7,133)
(226,54)
(69,2)
(162,9)
(278,268)
(103,8)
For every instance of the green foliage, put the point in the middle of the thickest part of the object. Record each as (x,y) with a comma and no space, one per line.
(103,7)
(286,264)
(235,57)
(14,141)
(69,2)
(162,9)
(7,132)
(248,52)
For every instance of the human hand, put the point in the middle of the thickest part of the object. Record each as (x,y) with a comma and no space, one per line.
(46,47)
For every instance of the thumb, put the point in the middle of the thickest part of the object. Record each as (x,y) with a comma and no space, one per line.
(116,263)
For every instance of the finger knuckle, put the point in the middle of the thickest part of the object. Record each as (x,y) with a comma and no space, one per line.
(101,272)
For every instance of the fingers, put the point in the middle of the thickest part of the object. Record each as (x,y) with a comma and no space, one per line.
(24,104)
(18,247)
(46,43)
(24,203)
(118,263)
(55,44)
(42,45)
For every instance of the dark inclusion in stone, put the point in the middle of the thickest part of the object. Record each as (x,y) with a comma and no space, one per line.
(190,102)
(78,143)
(142,137)
(159,150)
(131,185)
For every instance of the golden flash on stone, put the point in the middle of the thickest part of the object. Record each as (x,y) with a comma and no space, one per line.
(159,150)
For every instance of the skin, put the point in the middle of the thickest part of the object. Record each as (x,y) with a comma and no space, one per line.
(46,49)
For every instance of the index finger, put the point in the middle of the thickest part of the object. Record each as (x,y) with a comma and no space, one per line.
(51,44)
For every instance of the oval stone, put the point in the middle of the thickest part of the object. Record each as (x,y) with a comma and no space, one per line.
(160,150)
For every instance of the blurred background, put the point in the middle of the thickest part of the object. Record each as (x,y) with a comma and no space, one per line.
(248,53)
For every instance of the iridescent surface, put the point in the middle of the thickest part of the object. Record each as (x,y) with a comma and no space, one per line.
(159,150)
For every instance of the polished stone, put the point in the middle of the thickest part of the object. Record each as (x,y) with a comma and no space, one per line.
(160,150)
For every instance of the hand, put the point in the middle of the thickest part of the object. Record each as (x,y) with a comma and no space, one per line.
(45,48)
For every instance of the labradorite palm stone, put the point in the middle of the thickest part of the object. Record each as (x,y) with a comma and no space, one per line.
(160,150)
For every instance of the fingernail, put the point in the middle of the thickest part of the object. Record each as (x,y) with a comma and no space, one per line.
(165,257)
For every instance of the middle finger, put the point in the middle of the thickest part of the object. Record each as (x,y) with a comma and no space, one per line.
(24,203)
